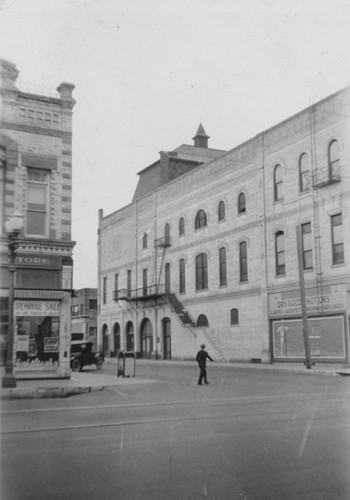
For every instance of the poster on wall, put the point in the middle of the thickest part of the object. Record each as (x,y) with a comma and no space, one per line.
(326,334)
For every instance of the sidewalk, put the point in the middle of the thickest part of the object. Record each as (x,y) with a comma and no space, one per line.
(84,382)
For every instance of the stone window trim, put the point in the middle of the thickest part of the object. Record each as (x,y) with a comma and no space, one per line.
(39,162)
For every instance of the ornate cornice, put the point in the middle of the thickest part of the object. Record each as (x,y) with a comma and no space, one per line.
(45,247)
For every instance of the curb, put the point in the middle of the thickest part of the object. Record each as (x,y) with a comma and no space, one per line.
(50,392)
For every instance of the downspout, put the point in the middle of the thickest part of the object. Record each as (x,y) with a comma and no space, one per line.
(136,330)
(155,308)
(263,222)
(99,287)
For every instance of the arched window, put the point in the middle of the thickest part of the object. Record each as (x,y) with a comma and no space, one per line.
(181,226)
(304,172)
(241,203)
(182,276)
(278,183)
(243,262)
(202,320)
(234,316)
(279,253)
(201,219)
(201,271)
(167,233)
(144,241)
(222,267)
(333,160)
(221,211)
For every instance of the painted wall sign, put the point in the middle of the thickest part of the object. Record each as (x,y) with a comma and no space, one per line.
(331,298)
(36,260)
(36,308)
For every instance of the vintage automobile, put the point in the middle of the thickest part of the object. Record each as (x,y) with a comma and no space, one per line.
(81,354)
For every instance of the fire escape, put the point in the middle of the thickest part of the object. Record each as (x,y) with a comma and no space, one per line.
(157,293)
(320,179)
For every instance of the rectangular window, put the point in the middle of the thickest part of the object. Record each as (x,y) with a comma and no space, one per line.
(337,239)
(75,310)
(280,254)
(37,203)
(243,262)
(222,267)
(116,285)
(104,291)
(144,281)
(182,276)
(128,284)
(93,304)
(92,331)
(306,245)
(201,272)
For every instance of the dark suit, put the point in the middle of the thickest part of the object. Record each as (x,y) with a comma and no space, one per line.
(201,359)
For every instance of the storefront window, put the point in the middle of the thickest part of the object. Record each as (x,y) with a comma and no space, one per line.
(37,334)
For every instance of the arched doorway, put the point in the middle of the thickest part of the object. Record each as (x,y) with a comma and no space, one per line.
(105,340)
(116,338)
(166,338)
(129,336)
(146,339)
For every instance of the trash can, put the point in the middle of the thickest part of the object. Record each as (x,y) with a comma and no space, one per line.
(126,364)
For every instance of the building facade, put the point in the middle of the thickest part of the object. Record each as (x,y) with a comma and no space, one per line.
(210,254)
(36,144)
(84,316)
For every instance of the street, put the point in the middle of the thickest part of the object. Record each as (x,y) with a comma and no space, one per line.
(249,435)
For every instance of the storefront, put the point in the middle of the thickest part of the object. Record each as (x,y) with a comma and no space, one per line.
(42,316)
(42,335)
(327,325)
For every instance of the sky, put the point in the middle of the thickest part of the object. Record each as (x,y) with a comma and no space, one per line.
(147,72)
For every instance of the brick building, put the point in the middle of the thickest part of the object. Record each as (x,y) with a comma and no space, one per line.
(84,315)
(209,254)
(36,143)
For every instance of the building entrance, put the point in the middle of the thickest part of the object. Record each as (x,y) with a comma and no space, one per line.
(146,339)
(166,338)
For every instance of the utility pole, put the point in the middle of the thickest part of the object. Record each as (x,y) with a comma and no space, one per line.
(302,299)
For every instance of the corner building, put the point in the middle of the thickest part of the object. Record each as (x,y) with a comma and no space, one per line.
(36,146)
(207,250)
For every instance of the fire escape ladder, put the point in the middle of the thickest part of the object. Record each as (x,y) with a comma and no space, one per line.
(179,311)
(158,259)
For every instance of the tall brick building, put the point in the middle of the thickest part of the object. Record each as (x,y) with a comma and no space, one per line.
(36,145)
(207,251)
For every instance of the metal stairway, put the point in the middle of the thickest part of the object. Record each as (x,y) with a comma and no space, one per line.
(179,310)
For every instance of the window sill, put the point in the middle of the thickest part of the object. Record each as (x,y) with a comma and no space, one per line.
(340,264)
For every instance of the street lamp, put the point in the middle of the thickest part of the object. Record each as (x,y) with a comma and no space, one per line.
(13,227)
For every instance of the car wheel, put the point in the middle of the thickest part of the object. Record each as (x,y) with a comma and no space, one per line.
(76,366)
(99,363)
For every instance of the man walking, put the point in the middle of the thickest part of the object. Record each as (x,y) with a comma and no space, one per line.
(201,359)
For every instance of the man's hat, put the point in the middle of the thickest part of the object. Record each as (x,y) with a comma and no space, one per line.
(202,346)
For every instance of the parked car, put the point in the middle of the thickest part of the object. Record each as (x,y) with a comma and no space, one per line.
(81,355)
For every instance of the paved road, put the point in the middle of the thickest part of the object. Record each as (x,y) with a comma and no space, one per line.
(248,435)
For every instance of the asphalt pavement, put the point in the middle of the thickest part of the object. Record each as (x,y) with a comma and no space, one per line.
(93,381)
